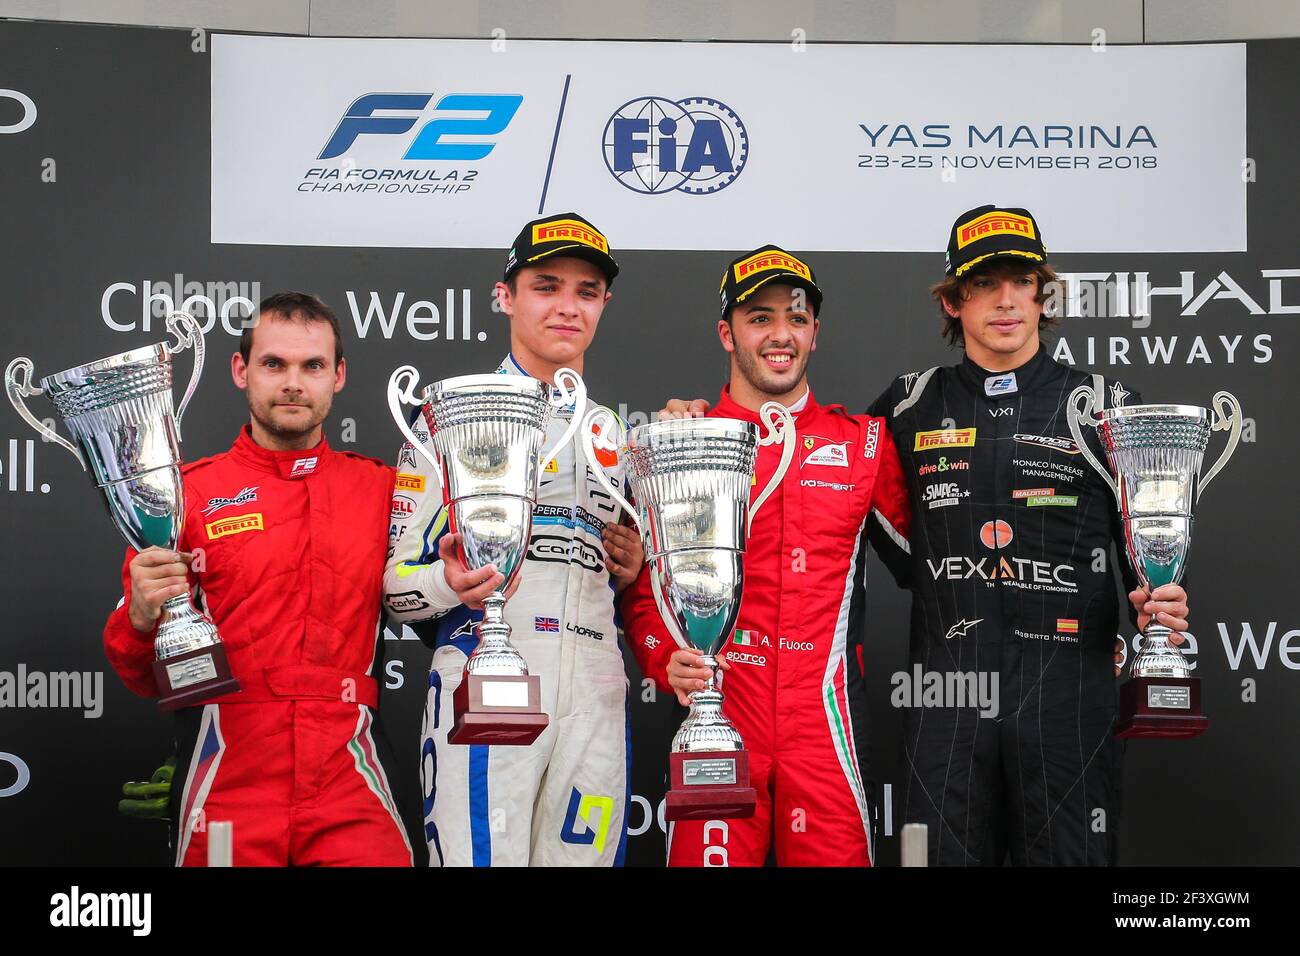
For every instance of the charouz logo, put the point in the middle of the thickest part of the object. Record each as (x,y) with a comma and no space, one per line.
(656,145)
(473,120)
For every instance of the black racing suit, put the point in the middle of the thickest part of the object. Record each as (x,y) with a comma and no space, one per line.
(1012,574)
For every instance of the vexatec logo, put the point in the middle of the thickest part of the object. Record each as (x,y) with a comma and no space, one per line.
(656,145)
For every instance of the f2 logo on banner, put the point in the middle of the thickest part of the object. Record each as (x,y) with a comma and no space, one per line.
(360,119)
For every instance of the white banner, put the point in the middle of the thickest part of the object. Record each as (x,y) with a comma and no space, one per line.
(456,143)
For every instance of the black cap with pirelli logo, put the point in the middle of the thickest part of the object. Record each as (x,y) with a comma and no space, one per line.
(989,232)
(765,265)
(565,234)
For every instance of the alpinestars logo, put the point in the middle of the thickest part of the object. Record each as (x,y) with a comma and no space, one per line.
(961,627)
(1117,395)
(243,498)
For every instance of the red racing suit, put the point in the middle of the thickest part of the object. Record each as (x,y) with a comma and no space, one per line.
(794,689)
(292,547)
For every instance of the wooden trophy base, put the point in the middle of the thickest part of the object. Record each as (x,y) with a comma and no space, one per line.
(193,677)
(1161,707)
(710,786)
(497,710)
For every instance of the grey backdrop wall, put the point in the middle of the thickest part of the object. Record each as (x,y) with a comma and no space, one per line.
(105,201)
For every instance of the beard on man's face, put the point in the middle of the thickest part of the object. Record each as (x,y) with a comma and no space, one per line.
(758,375)
(289,430)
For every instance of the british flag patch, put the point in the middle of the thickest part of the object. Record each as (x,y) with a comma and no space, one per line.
(547,624)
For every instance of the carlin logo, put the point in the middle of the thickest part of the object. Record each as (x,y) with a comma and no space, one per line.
(581,808)
(655,145)
(243,498)
(28,117)
(403,507)
(236,525)
(404,601)
(945,438)
(836,456)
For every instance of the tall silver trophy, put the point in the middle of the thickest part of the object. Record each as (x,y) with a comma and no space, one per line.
(119,412)
(486,433)
(691,480)
(1155,454)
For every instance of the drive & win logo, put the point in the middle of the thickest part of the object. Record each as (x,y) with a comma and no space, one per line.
(656,145)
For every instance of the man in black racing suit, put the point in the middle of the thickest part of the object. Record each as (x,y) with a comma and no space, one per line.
(1012,571)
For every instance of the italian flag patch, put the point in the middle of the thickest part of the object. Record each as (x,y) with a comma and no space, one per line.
(744,638)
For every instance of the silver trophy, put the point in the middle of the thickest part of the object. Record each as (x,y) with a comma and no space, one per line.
(1155,454)
(486,433)
(119,412)
(691,480)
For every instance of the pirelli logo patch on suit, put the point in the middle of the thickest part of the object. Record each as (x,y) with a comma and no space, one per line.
(945,438)
(410,482)
(234,525)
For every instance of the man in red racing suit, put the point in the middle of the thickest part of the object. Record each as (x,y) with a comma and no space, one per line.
(292,545)
(793,684)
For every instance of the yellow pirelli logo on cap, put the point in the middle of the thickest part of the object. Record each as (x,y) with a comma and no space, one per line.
(409,482)
(945,438)
(767,261)
(994,224)
(235,525)
(572,230)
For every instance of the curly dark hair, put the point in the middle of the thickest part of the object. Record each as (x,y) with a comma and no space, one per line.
(955,291)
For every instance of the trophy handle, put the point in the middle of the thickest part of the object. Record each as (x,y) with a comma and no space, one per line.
(18,386)
(572,389)
(188,334)
(1224,402)
(1074,418)
(780,427)
(399,395)
(603,419)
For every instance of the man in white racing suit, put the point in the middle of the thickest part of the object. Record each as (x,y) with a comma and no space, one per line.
(561,800)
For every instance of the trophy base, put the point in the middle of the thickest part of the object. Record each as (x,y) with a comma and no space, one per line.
(1161,707)
(193,677)
(709,786)
(505,711)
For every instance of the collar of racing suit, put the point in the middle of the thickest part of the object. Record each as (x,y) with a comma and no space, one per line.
(1028,376)
(512,366)
(287,464)
(728,407)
